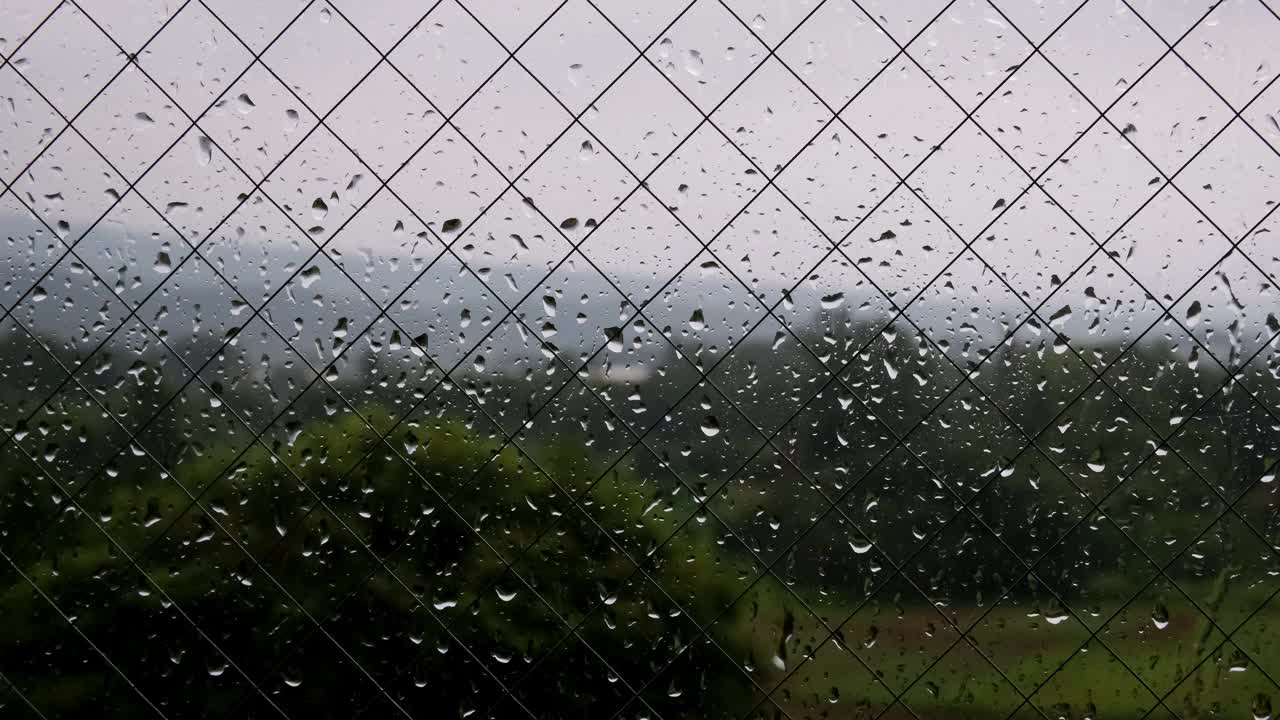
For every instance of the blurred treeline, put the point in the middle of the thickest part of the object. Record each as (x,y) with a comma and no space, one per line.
(201,532)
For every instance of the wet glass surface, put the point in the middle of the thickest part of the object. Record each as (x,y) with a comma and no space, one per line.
(593,358)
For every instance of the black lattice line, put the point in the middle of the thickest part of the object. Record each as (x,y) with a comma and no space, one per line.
(588,388)
(339,521)
(133,564)
(947,485)
(266,302)
(603,532)
(709,381)
(1228,640)
(1066,533)
(638,313)
(32,33)
(384,438)
(1100,377)
(133,311)
(798,413)
(768,439)
(1162,570)
(170,474)
(558,357)
(22,696)
(218,273)
(70,622)
(686,265)
(53,141)
(979,234)
(1228,505)
(624,201)
(6,62)
(1195,339)
(287,407)
(133,560)
(155,290)
(944,270)
(1237,115)
(1164,442)
(1195,71)
(302,483)
(686,393)
(965,506)
(496,324)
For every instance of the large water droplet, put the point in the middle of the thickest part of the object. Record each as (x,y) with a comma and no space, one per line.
(1160,616)
(710,426)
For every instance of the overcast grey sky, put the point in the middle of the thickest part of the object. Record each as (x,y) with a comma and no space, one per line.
(836,181)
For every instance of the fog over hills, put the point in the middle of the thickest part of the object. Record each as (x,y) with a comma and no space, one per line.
(704,310)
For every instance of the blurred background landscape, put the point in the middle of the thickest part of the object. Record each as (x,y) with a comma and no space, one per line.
(233,528)
(834,360)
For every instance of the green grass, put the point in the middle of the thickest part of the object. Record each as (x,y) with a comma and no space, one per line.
(1027,648)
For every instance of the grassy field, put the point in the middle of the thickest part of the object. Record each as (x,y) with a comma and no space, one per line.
(1011,654)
